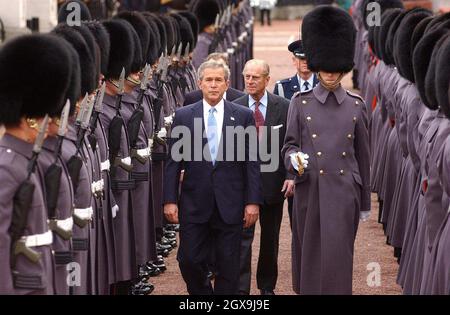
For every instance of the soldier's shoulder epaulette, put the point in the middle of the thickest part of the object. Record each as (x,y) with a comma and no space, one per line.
(355,96)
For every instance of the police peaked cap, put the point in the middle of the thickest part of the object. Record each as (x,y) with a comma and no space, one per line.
(328,37)
(296,48)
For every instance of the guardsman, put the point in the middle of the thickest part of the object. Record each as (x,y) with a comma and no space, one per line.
(327,148)
(26,260)
(119,67)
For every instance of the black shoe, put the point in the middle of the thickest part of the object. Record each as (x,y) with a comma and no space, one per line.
(210,275)
(159,263)
(142,288)
(267,292)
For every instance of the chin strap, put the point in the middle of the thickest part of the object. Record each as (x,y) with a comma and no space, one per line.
(334,85)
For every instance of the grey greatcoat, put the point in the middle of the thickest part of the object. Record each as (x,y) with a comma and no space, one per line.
(331,127)
(30,278)
(121,184)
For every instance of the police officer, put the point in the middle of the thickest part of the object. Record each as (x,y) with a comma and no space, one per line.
(303,81)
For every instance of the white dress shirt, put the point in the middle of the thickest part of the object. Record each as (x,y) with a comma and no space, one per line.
(218,114)
(310,82)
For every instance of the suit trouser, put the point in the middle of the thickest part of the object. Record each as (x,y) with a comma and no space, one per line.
(267,271)
(196,242)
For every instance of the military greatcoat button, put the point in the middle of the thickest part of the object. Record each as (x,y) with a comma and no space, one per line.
(304,102)
(341,172)
(8,150)
(344,154)
(349,136)
(321,172)
(314,136)
(319,153)
(308,118)
(354,118)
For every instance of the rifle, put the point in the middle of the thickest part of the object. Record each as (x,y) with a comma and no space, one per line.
(75,162)
(134,124)
(52,179)
(115,131)
(21,204)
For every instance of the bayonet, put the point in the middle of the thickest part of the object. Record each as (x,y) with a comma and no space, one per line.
(81,111)
(121,90)
(62,130)
(180,48)
(37,147)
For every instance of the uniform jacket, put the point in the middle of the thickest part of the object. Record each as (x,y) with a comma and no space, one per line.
(290,86)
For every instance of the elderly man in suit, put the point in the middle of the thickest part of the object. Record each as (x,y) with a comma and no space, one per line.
(270,113)
(229,95)
(220,193)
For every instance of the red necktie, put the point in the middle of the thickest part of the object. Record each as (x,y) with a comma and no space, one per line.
(259,118)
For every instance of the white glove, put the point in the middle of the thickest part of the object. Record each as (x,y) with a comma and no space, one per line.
(162,133)
(168,120)
(303,157)
(114,210)
(364,215)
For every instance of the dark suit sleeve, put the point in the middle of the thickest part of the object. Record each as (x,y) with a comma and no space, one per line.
(253,173)
(292,140)
(172,169)
(362,156)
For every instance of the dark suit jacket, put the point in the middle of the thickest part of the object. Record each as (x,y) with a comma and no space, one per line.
(229,185)
(197,95)
(291,86)
(276,115)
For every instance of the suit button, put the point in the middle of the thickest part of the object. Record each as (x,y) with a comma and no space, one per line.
(349,136)
(314,136)
(341,172)
(308,118)
(344,154)
(319,153)
(321,172)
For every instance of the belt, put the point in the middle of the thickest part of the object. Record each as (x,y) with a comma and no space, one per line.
(66,224)
(80,244)
(159,156)
(139,176)
(123,184)
(104,166)
(38,239)
(63,258)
